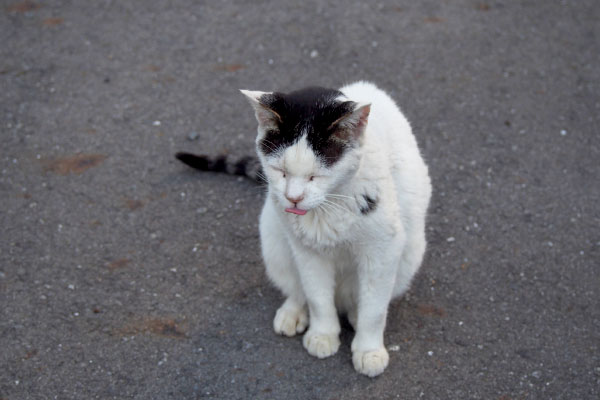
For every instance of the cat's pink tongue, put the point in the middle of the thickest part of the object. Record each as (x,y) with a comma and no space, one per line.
(295,210)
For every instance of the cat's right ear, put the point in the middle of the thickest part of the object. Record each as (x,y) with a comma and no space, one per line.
(266,117)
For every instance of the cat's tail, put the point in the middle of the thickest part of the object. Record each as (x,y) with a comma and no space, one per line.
(248,167)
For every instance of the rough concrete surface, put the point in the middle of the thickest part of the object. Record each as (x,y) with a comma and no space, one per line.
(126,275)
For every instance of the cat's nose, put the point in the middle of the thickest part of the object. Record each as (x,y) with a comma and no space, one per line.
(296,199)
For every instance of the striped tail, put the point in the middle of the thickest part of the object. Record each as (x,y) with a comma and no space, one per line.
(248,167)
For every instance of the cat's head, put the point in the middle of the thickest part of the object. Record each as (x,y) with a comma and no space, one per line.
(309,142)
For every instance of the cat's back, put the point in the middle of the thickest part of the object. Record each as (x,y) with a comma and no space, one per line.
(386,121)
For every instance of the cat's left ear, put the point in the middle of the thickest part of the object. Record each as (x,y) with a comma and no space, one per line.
(354,123)
(266,117)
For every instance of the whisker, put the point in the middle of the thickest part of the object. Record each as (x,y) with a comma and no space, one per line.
(335,206)
(322,210)
(338,203)
(326,209)
(340,196)
(263,187)
(272,146)
(261,176)
(269,146)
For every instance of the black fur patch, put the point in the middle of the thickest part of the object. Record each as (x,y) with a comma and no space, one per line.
(370,204)
(194,161)
(246,166)
(219,164)
(203,163)
(240,166)
(312,110)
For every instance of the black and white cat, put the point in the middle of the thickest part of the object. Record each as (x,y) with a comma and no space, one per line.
(343,225)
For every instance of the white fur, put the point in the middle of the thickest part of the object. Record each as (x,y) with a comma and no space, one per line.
(335,259)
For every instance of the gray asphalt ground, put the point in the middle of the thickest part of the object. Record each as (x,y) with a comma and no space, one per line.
(126,275)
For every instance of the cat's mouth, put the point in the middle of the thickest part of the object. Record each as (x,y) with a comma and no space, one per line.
(297,211)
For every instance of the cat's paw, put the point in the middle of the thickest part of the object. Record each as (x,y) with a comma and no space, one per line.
(370,363)
(321,345)
(289,321)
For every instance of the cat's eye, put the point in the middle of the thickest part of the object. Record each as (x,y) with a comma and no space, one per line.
(312,177)
(281,171)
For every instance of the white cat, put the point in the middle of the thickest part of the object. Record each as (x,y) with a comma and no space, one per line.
(343,225)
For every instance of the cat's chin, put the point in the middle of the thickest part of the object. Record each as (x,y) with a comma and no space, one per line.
(297,211)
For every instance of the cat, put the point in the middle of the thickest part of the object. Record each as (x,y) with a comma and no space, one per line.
(343,225)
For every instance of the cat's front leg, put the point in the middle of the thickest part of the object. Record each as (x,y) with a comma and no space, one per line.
(317,274)
(292,317)
(376,278)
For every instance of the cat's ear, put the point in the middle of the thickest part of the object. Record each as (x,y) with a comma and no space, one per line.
(352,125)
(266,117)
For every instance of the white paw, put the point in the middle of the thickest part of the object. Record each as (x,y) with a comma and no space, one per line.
(321,345)
(370,363)
(290,321)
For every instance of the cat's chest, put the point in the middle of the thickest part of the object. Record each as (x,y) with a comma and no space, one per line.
(321,230)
